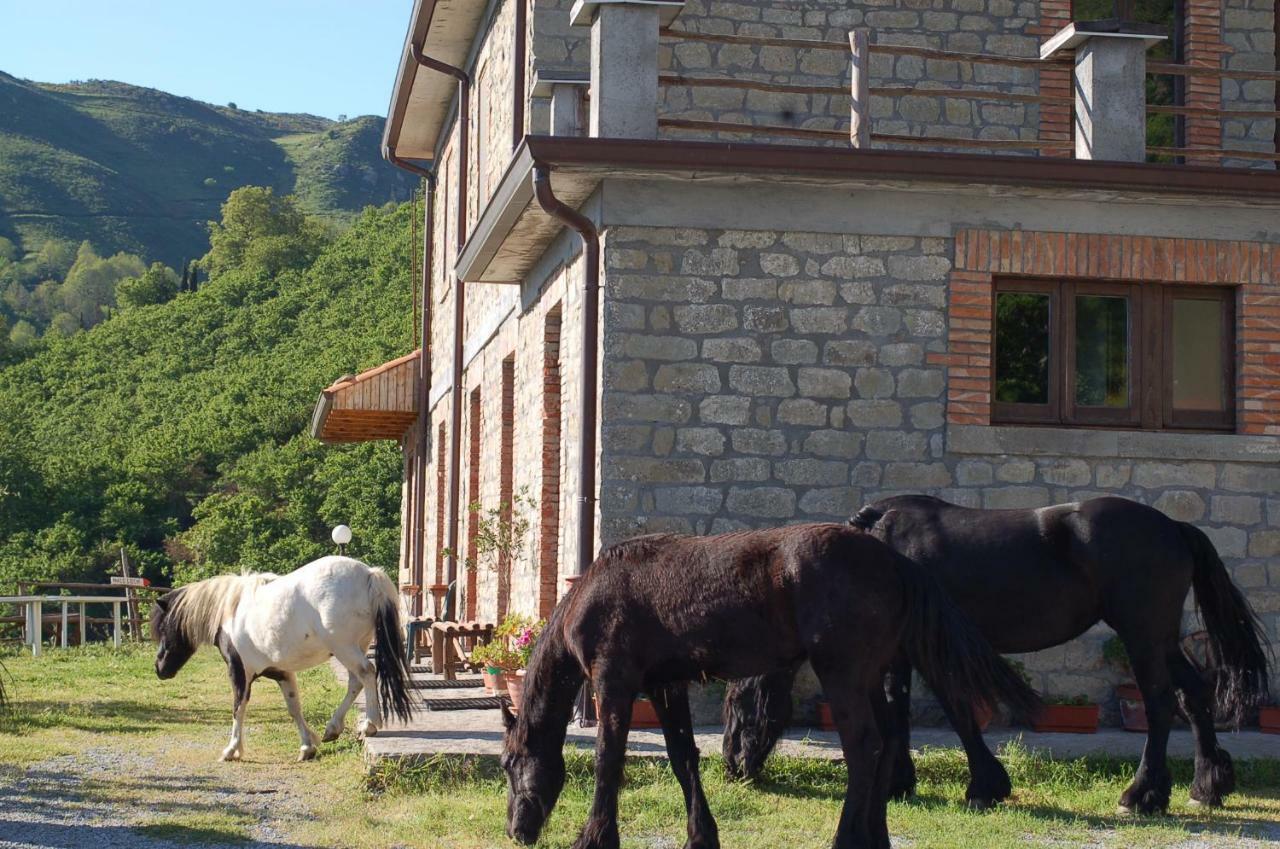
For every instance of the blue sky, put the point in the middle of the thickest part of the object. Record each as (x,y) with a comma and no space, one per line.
(326,57)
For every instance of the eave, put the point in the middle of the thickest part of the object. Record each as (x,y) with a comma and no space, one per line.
(512,231)
(421,98)
(381,403)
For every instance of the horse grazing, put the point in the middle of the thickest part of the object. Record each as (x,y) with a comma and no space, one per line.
(269,626)
(656,612)
(1032,579)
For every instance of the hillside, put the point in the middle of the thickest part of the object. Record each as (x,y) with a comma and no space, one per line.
(178,430)
(138,170)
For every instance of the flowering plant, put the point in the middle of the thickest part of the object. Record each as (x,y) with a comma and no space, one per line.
(519,634)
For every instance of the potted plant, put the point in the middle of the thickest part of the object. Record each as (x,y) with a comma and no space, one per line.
(643,714)
(517,635)
(495,659)
(1069,714)
(1133,710)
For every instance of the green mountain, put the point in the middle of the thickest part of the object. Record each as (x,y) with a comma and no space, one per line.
(178,430)
(142,171)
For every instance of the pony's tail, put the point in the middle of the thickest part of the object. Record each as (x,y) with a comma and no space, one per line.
(389,656)
(756,713)
(955,659)
(1235,635)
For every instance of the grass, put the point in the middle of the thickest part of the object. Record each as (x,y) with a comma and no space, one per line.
(169,733)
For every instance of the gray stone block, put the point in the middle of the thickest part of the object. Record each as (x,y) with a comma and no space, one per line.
(768,502)
(896,445)
(825,383)
(737,350)
(758,441)
(725,409)
(869,413)
(770,381)
(1235,509)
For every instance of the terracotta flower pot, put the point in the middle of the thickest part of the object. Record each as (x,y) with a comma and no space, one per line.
(1133,710)
(1269,719)
(642,713)
(825,720)
(983,713)
(1071,719)
(514,682)
(492,677)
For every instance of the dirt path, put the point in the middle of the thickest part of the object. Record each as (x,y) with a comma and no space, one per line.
(107,797)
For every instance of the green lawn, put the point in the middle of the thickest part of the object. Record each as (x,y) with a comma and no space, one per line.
(164,737)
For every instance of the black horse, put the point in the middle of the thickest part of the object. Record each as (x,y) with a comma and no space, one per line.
(654,613)
(1031,579)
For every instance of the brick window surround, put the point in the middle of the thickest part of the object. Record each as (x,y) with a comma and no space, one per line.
(982,255)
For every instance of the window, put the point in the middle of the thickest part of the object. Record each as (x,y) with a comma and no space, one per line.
(1114,354)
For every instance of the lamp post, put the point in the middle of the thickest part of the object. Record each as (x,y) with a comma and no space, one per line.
(341,536)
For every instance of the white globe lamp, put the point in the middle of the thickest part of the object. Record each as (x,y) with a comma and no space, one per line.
(341,536)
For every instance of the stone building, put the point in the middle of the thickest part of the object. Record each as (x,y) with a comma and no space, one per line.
(700,266)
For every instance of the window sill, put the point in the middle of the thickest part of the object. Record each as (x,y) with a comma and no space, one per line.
(1128,444)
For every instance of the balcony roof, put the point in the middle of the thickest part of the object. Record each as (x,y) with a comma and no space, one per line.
(421,97)
(512,231)
(381,403)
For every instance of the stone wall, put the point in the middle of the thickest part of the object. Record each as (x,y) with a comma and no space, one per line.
(1000,27)
(756,378)
(1248,30)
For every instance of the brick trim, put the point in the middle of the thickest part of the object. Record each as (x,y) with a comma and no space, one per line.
(442,482)
(473,495)
(980,255)
(549,497)
(1203,47)
(1056,120)
(506,474)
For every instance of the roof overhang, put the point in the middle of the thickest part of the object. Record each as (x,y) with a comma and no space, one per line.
(445,29)
(381,403)
(513,230)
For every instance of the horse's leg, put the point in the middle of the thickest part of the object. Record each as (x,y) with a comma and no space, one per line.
(1151,786)
(600,831)
(333,729)
(989,782)
(672,706)
(861,743)
(897,752)
(890,732)
(359,666)
(1215,774)
(240,702)
(289,689)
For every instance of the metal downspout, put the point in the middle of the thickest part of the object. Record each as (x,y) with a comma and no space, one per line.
(459,303)
(418,494)
(585,229)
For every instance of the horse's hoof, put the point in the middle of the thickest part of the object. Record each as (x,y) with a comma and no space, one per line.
(1124,810)
(307,753)
(1193,802)
(331,734)
(367,729)
(229,755)
(981,804)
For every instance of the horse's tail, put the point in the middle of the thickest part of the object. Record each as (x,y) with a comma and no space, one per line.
(952,655)
(756,712)
(1235,635)
(389,654)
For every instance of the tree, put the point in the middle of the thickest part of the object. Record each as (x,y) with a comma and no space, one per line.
(156,285)
(91,283)
(263,233)
(23,334)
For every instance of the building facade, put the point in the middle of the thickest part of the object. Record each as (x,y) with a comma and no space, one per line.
(702,266)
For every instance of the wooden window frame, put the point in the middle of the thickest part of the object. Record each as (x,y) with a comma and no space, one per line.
(1150,357)
(1200,419)
(1016,413)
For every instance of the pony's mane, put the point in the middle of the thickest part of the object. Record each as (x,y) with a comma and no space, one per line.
(205,605)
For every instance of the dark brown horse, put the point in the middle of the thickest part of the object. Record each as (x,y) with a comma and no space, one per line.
(654,613)
(1032,579)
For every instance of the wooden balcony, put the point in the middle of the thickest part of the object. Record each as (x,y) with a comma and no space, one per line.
(381,403)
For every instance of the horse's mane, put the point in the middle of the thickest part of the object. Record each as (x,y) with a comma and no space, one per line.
(205,605)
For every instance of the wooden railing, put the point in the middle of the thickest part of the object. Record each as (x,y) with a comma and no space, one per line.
(861,49)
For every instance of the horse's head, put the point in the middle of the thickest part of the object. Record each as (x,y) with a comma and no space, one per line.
(535,777)
(173,647)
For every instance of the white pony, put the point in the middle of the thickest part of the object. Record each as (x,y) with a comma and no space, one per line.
(270,626)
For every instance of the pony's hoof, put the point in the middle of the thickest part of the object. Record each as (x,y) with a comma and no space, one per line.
(1124,811)
(1215,802)
(331,734)
(307,753)
(229,755)
(982,804)
(367,729)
